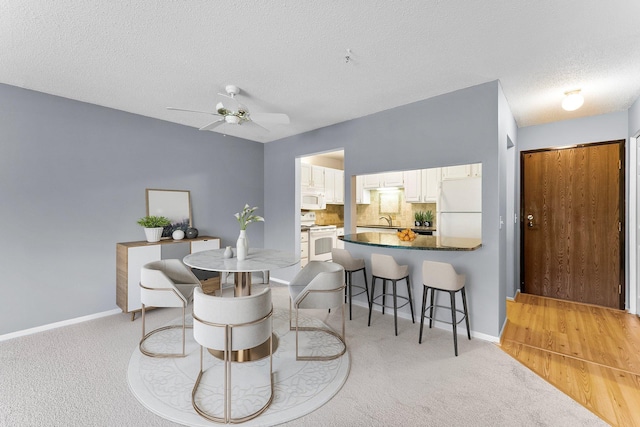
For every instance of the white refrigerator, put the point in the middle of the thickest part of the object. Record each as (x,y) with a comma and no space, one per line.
(460,208)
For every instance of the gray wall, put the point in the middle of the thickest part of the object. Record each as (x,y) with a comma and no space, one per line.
(72,184)
(456,128)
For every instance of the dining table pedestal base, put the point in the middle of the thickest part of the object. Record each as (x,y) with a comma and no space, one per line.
(250,355)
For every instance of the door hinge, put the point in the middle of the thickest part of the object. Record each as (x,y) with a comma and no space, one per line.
(619,289)
(619,226)
(619,164)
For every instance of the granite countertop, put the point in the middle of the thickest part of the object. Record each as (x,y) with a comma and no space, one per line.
(422,242)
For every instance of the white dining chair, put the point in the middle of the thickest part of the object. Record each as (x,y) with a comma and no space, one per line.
(165,283)
(319,285)
(231,325)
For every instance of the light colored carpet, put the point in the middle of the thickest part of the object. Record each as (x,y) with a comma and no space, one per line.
(77,376)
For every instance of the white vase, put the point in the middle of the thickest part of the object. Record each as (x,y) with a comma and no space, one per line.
(242,246)
(153,234)
(228,253)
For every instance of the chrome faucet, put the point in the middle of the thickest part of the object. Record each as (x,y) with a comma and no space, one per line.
(388,219)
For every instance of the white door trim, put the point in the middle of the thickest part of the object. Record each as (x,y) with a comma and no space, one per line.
(633,257)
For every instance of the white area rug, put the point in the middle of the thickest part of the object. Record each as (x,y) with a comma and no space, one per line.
(164,385)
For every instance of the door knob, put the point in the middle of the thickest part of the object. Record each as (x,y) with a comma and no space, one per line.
(530,219)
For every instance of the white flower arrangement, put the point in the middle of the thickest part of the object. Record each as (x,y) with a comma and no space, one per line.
(247,217)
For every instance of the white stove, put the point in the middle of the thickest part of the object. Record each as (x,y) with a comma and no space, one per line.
(322,238)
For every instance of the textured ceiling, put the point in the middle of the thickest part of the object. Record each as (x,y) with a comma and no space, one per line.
(142,56)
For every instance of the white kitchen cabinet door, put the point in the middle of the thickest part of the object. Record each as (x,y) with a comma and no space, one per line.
(392,179)
(456,172)
(305,175)
(371,181)
(329,186)
(317,177)
(363,197)
(413,186)
(431,185)
(339,186)
(311,177)
(476,169)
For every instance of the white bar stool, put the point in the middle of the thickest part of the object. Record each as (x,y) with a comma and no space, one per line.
(440,276)
(385,267)
(351,265)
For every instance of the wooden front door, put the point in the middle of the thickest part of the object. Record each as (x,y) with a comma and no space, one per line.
(573,223)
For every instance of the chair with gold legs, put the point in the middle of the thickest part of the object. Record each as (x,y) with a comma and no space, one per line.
(231,325)
(319,285)
(165,283)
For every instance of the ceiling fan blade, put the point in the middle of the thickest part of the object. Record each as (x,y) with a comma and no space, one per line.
(271,118)
(213,125)
(255,125)
(193,111)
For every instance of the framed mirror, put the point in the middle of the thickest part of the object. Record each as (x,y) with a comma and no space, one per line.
(173,204)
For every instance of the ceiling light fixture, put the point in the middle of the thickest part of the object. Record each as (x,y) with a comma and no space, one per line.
(573,100)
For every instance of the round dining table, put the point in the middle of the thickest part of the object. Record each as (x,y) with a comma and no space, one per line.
(257,260)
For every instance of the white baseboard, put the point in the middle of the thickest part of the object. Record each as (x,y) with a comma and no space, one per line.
(461,329)
(58,324)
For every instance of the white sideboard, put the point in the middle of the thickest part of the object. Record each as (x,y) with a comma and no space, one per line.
(131,256)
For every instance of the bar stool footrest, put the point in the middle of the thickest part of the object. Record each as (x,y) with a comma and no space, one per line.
(390,296)
(425,316)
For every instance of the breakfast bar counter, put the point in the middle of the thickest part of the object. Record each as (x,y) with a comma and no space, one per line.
(421,242)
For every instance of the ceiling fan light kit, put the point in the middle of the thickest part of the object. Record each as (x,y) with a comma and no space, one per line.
(237,114)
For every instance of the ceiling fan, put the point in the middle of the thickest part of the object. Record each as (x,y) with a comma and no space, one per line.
(235,113)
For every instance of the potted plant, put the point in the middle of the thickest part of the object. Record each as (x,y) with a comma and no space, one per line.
(427,218)
(153,226)
(418,217)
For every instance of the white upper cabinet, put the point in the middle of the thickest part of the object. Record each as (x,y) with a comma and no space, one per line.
(317,176)
(462,171)
(383,180)
(456,172)
(421,186)
(392,179)
(430,185)
(363,197)
(413,186)
(312,176)
(305,175)
(334,186)
(329,186)
(339,186)
(371,181)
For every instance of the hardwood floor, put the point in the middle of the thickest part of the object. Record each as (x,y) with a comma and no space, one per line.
(590,353)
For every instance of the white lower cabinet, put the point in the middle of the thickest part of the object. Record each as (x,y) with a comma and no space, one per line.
(304,248)
(131,256)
